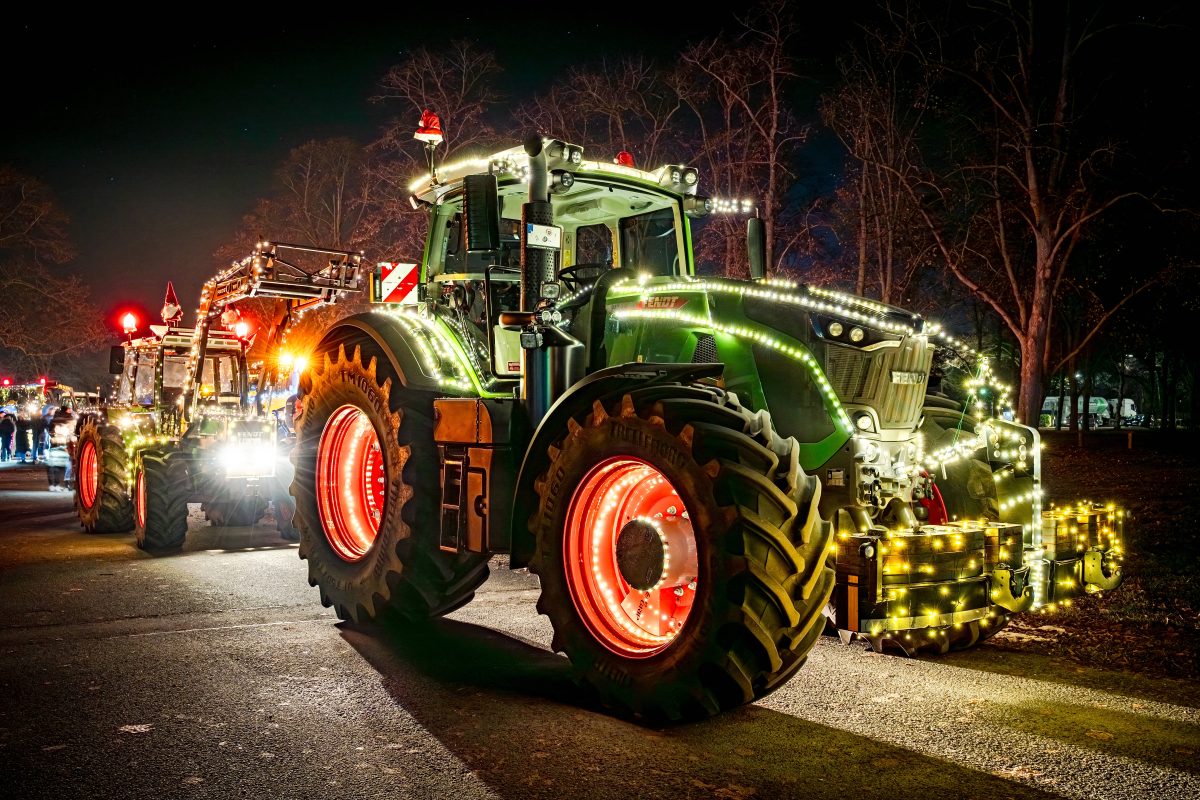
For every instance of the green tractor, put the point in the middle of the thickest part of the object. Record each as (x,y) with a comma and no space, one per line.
(144,408)
(191,421)
(703,473)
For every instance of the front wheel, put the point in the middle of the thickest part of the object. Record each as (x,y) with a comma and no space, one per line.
(680,551)
(160,496)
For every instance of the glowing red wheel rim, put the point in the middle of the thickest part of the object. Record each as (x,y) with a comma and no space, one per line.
(139,499)
(89,475)
(351,483)
(630,557)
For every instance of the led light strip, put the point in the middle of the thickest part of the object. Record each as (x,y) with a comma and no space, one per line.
(741,331)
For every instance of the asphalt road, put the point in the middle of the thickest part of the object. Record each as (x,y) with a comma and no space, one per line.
(215,673)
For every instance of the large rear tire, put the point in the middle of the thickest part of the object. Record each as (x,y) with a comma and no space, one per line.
(729,502)
(160,501)
(367,495)
(102,490)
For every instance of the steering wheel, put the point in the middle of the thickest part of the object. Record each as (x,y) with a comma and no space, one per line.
(575,276)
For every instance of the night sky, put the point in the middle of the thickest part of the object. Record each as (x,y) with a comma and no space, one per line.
(156,146)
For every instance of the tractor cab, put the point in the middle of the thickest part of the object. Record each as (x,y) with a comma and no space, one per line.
(609,221)
(153,371)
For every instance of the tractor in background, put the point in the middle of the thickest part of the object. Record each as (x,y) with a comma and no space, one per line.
(191,421)
(703,473)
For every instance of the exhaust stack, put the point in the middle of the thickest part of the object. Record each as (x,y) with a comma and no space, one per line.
(553,358)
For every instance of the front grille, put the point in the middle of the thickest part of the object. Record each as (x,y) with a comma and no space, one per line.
(847,371)
(901,403)
(706,349)
(866,377)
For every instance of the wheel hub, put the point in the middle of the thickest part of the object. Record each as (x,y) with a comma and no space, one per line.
(631,557)
(89,475)
(641,551)
(351,483)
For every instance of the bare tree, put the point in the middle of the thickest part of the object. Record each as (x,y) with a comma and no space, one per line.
(45,316)
(457,83)
(1008,216)
(748,131)
(877,112)
(629,104)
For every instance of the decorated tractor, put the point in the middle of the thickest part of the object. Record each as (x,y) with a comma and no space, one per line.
(703,473)
(190,421)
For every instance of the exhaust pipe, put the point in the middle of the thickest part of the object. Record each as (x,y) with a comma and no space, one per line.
(553,358)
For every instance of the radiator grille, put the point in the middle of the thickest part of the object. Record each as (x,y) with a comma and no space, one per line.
(706,349)
(847,371)
(866,377)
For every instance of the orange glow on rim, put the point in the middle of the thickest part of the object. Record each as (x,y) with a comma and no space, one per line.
(617,497)
(351,484)
(89,475)
(139,499)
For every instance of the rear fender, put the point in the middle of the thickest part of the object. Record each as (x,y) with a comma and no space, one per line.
(604,385)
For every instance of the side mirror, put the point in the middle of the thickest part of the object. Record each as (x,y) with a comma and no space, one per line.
(116,360)
(481,214)
(755,237)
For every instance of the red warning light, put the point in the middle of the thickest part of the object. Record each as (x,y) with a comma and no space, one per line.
(129,322)
(8,381)
(242,329)
(624,159)
(42,381)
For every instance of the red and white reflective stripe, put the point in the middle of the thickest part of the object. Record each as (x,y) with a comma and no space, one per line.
(398,282)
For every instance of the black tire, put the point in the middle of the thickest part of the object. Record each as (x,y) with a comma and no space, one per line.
(403,573)
(111,510)
(162,525)
(761,544)
(283,503)
(227,511)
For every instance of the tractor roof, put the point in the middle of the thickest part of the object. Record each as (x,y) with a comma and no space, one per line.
(561,156)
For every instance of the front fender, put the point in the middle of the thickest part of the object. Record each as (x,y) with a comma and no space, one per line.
(604,385)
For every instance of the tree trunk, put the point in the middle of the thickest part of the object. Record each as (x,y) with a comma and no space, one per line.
(1073,411)
(1062,400)
(1120,395)
(1087,394)
(1029,400)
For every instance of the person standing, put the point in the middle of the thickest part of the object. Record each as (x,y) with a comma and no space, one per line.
(58,460)
(8,430)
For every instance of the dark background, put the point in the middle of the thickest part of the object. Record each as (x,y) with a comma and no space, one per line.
(157,143)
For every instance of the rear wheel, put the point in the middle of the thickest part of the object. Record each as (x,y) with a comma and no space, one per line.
(102,491)
(161,490)
(367,495)
(680,551)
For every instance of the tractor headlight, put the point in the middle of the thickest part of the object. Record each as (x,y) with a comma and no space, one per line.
(248,459)
(835,329)
(856,334)
(690,177)
(863,421)
(576,156)
(676,176)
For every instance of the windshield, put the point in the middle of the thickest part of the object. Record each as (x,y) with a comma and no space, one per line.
(601,224)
